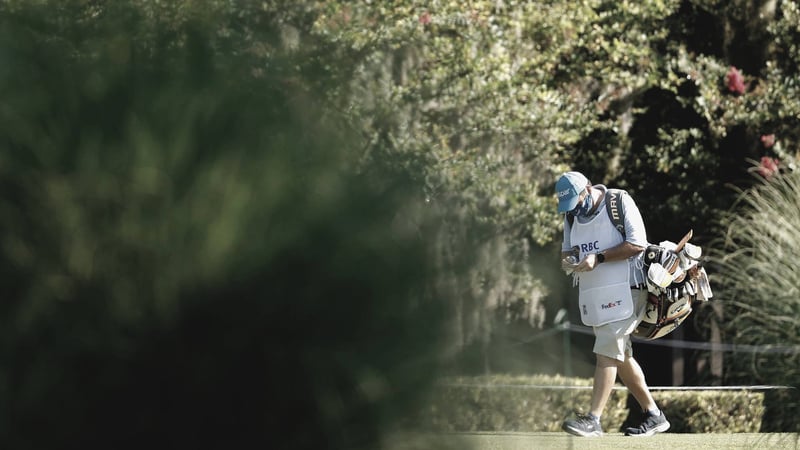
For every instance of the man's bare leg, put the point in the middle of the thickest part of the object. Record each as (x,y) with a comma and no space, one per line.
(654,421)
(632,377)
(605,374)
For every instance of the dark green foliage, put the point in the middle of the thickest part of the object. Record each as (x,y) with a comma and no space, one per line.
(781,408)
(188,259)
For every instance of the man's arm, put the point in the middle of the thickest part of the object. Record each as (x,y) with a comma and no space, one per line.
(618,253)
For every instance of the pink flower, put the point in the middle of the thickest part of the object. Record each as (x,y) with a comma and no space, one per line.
(735,81)
(768,140)
(425,18)
(768,167)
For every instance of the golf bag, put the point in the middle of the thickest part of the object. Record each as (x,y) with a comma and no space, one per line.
(675,280)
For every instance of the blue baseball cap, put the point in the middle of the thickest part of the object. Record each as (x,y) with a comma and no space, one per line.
(568,187)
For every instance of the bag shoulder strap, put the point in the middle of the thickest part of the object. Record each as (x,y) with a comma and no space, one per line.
(616,209)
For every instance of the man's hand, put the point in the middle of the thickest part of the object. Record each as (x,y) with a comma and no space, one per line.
(569,264)
(588,263)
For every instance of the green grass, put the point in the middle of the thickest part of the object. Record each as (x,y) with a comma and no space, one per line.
(610,441)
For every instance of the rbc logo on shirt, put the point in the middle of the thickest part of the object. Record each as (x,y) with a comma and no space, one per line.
(590,247)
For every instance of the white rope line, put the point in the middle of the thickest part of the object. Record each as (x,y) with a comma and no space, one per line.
(695,345)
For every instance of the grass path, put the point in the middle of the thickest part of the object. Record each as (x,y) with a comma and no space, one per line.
(611,441)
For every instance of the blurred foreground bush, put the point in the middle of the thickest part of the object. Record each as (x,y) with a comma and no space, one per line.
(186,257)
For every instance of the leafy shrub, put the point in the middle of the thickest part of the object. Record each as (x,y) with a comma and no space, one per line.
(513,403)
(541,403)
(694,411)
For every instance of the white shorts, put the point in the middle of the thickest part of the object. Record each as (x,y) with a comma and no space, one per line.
(614,338)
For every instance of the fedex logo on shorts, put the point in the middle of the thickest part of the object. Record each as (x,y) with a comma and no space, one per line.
(589,247)
(610,305)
